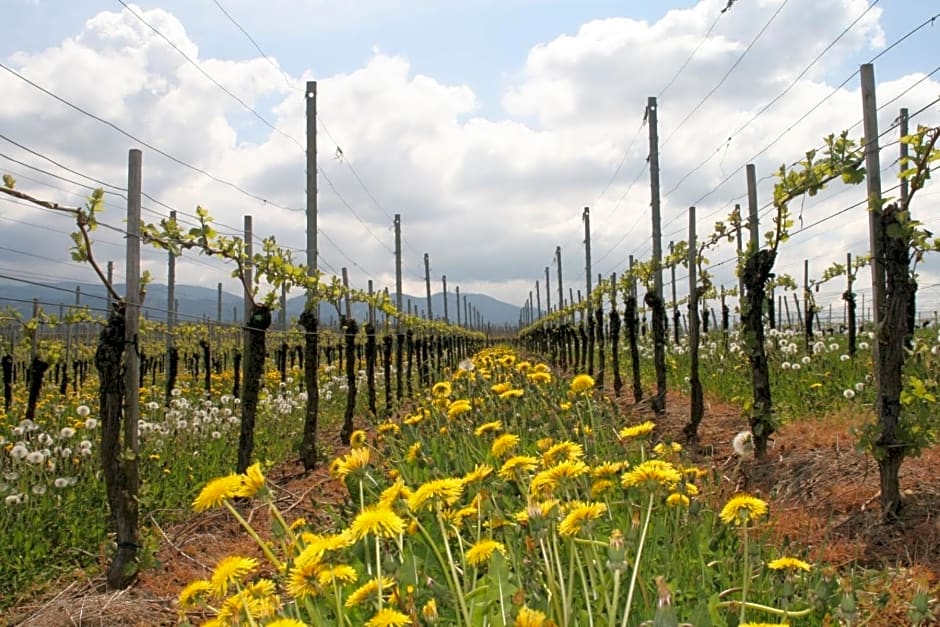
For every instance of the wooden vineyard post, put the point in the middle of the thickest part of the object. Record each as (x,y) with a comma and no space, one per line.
(654,297)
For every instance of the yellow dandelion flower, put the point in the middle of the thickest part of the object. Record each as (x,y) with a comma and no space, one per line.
(239,605)
(447,491)
(195,592)
(548,479)
(504,444)
(742,509)
(413,452)
(286,622)
(458,407)
(652,471)
(564,406)
(608,469)
(691,489)
(566,450)
(316,546)
(217,491)
(298,523)
(513,393)
(388,427)
(582,383)
(357,459)
(580,515)
(230,570)
(441,389)
(662,449)
(414,419)
(637,431)
(601,487)
(541,367)
(358,438)
(369,590)
(302,580)
(763,624)
(530,618)
(336,466)
(524,366)
(456,517)
(396,492)
(494,426)
(339,574)
(539,377)
(479,473)
(388,617)
(543,444)
(499,388)
(784,563)
(518,463)
(377,521)
(482,550)
(252,481)
(677,500)
(507,361)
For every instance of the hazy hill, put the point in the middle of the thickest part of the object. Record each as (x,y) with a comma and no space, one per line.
(197,303)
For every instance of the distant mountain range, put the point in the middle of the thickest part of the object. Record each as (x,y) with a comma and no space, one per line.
(197,303)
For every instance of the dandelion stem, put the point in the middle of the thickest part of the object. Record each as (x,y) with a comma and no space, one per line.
(766,608)
(636,562)
(378,569)
(747,578)
(254,536)
(458,589)
(584,585)
(612,606)
(562,586)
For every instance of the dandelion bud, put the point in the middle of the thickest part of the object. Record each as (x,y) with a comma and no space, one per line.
(429,611)
(616,552)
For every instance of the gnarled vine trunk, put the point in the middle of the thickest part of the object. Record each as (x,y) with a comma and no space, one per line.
(615,349)
(258,324)
(658,307)
(890,450)
(757,271)
(308,446)
(121,478)
(629,315)
(350,328)
(37,371)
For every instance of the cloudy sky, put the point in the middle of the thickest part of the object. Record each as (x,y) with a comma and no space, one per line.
(488,125)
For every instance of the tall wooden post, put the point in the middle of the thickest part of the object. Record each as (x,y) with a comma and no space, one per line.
(586,217)
(538,302)
(651,119)
(444,282)
(249,275)
(427,284)
(311,119)
(561,291)
(132,320)
(752,219)
(656,303)
(873,177)
(548,293)
(170,296)
(675,303)
(398,294)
